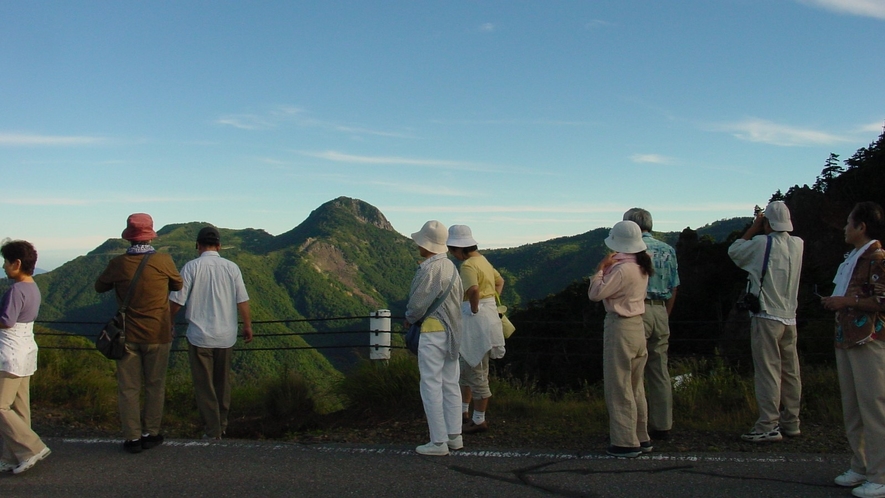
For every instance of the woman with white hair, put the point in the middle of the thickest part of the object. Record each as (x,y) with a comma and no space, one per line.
(620,282)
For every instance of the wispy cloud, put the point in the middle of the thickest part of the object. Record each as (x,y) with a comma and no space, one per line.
(282,115)
(597,24)
(331,155)
(876,127)
(72,201)
(865,8)
(33,140)
(423,189)
(651,158)
(487,27)
(760,130)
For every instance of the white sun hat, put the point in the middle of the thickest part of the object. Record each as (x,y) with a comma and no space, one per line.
(460,236)
(432,237)
(625,237)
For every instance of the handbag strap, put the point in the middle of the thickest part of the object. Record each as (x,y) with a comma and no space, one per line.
(442,297)
(125,305)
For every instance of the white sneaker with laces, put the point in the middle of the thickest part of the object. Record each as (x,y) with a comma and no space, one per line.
(869,490)
(455,443)
(433,449)
(30,462)
(850,479)
(762,437)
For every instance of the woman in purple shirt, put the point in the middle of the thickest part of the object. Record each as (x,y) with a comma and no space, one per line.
(22,447)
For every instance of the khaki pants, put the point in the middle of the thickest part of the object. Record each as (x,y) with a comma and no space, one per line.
(776,378)
(476,378)
(20,442)
(210,371)
(658,390)
(144,365)
(623,361)
(862,382)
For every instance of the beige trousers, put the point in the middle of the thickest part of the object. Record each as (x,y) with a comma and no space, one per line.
(862,382)
(144,365)
(776,378)
(20,442)
(623,361)
(658,390)
(210,371)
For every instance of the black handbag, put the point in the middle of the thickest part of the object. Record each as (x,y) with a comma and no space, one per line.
(111,342)
(749,301)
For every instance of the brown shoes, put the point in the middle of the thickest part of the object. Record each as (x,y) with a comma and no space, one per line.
(474,428)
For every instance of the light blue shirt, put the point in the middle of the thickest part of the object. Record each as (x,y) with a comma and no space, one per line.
(666,277)
(213,286)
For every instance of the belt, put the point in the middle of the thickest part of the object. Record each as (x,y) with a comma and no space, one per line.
(660,302)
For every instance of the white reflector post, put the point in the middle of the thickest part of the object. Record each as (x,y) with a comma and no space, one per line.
(379,335)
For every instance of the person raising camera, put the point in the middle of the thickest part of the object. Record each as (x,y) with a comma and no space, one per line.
(773,259)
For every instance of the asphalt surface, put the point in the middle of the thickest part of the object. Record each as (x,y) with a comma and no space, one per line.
(196,468)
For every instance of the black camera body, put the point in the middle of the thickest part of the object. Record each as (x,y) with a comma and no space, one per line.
(749,302)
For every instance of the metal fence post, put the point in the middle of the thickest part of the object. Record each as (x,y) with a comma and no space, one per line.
(379,335)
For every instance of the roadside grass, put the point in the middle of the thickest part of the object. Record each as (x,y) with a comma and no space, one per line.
(709,395)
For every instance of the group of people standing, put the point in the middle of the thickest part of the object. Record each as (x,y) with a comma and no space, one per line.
(638,283)
(460,331)
(212,291)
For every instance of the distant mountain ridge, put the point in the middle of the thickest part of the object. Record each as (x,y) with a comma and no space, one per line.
(345,259)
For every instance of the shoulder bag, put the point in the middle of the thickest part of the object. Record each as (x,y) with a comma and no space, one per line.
(111,342)
(413,335)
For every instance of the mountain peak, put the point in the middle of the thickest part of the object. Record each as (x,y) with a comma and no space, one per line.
(362,211)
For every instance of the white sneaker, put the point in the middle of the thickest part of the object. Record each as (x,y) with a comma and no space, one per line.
(762,437)
(30,462)
(455,443)
(7,467)
(433,449)
(869,490)
(850,479)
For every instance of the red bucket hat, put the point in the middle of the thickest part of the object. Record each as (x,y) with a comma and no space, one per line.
(139,228)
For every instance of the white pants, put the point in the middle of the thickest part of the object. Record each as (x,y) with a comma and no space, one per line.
(439,387)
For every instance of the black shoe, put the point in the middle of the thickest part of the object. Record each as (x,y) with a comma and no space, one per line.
(148,442)
(646,447)
(624,451)
(659,435)
(132,446)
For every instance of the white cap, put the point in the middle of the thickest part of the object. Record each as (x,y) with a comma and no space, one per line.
(778,215)
(460,236)
(432,237)
(625,237)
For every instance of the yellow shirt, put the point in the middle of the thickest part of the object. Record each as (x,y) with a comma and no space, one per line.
(478,271)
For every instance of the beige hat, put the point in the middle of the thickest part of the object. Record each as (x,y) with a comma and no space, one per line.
(625,237)
(460,236)
(778,215)
(432,237)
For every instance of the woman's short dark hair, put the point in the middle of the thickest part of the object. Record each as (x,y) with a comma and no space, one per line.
(872,215)
(23,251)
(465,249)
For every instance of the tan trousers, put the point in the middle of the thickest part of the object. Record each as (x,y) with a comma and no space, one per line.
(210,371)
(144,365)
(862,382)
(776,378)
(20,442)
(658,390)
(623,361)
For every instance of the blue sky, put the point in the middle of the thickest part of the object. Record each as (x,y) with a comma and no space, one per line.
(525,120)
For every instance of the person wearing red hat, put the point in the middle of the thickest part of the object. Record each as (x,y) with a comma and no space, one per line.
(148,331)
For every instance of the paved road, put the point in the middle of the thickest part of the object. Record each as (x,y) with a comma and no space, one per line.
(98,467)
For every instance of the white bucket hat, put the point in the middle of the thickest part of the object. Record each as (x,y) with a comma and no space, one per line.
(778,215)
(460,236)
(432,237)
(625,237)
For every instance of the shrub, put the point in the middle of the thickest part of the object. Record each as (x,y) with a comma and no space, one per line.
(382,390)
